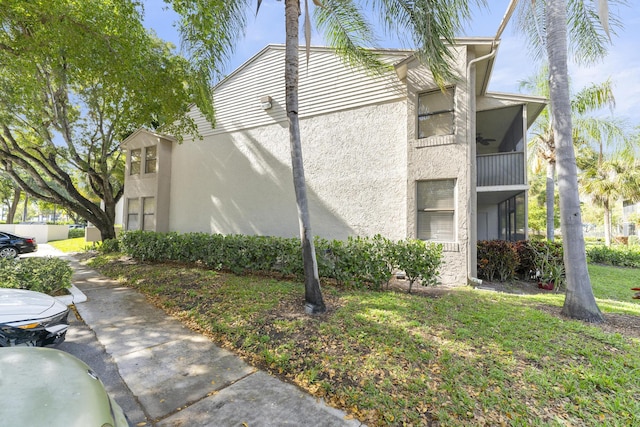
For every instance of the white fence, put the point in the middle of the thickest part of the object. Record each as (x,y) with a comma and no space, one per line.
(42,232)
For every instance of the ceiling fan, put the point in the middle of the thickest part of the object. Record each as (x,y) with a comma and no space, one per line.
(483,141)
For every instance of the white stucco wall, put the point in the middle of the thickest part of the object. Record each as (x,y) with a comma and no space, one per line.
(442,157)
(241,182)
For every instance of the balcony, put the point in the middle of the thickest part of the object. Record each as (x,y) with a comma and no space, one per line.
(500,169)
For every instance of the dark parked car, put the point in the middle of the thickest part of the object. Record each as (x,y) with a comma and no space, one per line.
(45,387)
(29,318)
(11,245)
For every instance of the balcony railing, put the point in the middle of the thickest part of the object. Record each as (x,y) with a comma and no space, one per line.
(500,169)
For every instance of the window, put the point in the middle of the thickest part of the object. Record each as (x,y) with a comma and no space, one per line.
(148,213)
(134,163)
(133,211)
(435,113)
(150,156)
(511,218)
(436,210)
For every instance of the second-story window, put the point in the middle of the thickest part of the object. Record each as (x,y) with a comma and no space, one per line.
(150,157)
(436,113)
(134,162)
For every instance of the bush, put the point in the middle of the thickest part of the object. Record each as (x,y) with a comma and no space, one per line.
(497,259)
(618,256)
(109,246)
(74,233)
(48,275)
(357,261)
(634,241)
(528,259)
(535,256)
(419,260)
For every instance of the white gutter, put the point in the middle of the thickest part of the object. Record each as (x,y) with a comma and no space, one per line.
(505,19)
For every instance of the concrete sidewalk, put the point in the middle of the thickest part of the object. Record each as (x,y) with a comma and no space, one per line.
(178,376)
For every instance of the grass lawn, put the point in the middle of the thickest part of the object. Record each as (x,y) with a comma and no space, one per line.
(462,358)
(78,244)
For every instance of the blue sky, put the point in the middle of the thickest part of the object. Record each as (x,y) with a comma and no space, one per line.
(513,63)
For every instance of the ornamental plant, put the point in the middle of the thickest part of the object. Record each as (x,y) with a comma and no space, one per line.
(497,260)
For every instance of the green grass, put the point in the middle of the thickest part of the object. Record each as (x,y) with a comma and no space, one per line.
(71,245)
(613,283)
(387,358)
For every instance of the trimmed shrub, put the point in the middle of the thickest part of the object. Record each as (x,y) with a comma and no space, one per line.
(419,260)
(109,246)
(356,262)
(48,275)
(618,256)
(74,233)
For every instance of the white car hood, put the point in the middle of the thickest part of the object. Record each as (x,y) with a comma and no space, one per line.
(20,304)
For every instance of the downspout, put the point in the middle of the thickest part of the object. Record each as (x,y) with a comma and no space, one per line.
(471,169)
(472,205)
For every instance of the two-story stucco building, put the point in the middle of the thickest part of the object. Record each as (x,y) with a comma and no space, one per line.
(393,155)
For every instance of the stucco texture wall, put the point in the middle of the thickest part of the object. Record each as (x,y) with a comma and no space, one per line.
(441,157)
(241,182)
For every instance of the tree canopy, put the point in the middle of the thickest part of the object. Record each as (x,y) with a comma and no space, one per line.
(76,77)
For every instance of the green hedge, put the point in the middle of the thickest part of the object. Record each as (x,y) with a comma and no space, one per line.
(48,275)
(619,256)
(74,233)
(357,261)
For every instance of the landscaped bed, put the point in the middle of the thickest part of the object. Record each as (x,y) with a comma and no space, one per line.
(439,357)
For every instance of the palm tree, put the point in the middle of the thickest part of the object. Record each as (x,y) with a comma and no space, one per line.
(587,128)
(209,29)
(607,178)
(549,28)
(579,302)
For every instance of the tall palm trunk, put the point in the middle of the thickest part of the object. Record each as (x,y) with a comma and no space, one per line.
(313,295)
(579,302)
(550,189)
(607,223)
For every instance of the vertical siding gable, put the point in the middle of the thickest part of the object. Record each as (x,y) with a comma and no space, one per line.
(326,85)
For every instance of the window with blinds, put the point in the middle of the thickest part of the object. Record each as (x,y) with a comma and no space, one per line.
(436,113)
(149,213)
(133,213)
(436,210)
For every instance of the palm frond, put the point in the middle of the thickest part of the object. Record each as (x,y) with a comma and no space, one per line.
(590,23)
(349,32)
(594,97)
(532,22)
(601,132)
(209,30)
(429,26)
(587,42)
